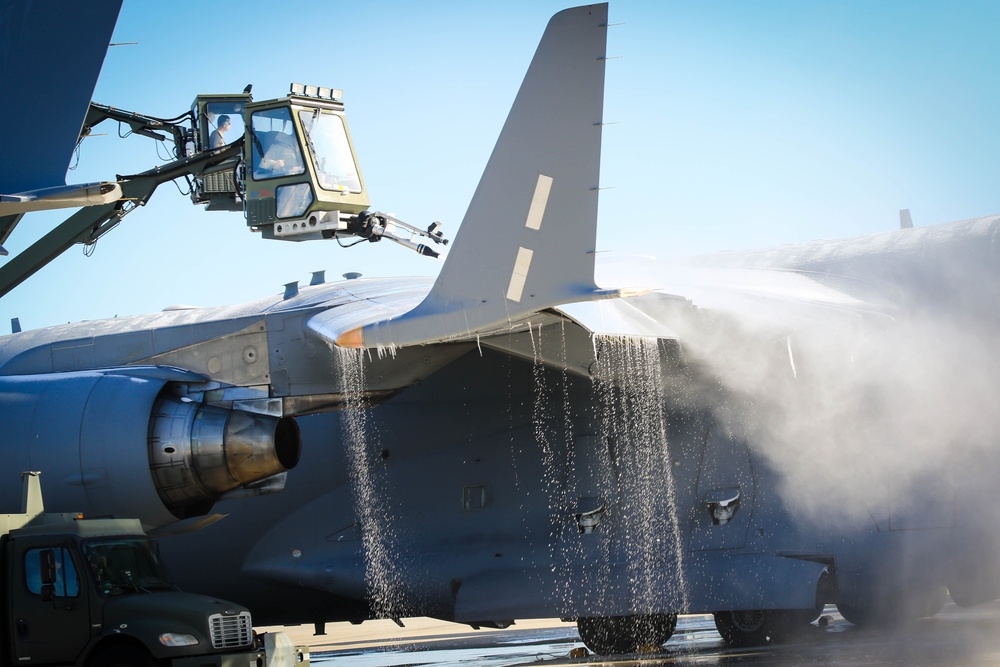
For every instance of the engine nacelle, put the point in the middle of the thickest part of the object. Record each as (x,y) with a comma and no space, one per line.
(119,443)
(198,452)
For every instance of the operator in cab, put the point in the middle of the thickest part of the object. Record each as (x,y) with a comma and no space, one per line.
(217,140)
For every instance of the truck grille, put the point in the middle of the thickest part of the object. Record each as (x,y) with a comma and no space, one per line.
(229,631)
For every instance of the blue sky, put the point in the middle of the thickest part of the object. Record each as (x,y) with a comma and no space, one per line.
(737,125)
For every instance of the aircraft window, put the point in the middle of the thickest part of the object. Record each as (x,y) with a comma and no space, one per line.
(67,584)
(122,565)
(293,200)
(274,150)
(326,138)
(214,133)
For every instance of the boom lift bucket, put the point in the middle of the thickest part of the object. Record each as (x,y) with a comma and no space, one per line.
(287,163)
(299,177)
(217,187)
(302,175)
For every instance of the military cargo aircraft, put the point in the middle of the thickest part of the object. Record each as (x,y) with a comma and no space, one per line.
(536,434)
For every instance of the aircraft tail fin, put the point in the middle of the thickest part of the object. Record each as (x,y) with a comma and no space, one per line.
(50,58)
(528,238)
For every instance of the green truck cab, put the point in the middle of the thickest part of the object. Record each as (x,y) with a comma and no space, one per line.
(94,593)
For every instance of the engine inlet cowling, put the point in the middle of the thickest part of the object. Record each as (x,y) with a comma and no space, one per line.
(199,452)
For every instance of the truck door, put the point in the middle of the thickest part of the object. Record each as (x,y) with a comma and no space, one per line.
(50,622)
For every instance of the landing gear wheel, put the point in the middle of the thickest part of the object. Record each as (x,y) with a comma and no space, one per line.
(654,630)
(856,614)
(757,627)
(899,609)
(608,635)
(934,602)
(743,627)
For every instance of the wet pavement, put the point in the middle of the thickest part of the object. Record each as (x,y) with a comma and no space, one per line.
(956,636)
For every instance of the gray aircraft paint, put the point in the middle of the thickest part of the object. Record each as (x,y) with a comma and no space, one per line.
(843,391)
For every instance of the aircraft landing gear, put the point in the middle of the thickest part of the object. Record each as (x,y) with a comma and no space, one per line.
(903,607)
(757,627)
(606,635)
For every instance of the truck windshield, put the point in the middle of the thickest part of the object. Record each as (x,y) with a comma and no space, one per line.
(330,150)
(126,564)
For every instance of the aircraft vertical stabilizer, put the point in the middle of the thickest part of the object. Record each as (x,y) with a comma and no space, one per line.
(528,238)
(50,57)
(49,63)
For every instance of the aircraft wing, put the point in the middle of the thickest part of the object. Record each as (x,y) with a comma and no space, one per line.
(777,299)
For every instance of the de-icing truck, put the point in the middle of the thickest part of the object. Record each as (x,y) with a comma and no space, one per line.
(94,593)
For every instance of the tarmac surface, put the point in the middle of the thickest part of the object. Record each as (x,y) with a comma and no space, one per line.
(956,636)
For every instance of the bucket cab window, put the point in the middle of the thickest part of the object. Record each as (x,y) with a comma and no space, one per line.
(326,138)
(274,149)
(292,201)
(66,583)
(223,124)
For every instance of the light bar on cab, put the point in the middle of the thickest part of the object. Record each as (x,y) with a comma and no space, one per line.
(319,92)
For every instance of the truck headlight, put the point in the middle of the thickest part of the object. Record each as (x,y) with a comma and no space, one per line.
(177,639)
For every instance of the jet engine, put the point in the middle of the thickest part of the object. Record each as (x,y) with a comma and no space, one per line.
(123,443)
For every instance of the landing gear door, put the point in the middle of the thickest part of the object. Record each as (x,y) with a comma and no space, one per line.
(725,494)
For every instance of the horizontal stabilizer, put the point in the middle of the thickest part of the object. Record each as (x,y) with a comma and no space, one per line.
(60,196)
(528,238)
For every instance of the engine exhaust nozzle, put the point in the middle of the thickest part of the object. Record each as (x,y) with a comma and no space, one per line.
(199,452)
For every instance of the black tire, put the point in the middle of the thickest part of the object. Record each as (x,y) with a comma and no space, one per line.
(974,582)
(743,627)
(123,655)
(609,635)
(895,610)
(654,630)
(934,602)
(758,627)
(859,614)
